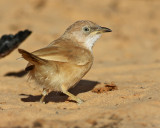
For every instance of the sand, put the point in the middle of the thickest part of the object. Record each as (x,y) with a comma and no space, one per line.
(129,57)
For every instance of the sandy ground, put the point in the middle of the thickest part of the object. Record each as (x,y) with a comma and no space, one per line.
(129,57)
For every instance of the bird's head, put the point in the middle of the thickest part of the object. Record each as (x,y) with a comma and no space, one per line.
(85,32)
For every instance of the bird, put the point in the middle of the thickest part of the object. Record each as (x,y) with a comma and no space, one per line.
(65,61)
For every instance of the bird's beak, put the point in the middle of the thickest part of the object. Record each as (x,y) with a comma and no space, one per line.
(103,30)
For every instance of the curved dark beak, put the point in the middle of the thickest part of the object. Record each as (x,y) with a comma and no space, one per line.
(104,29)
(100,30)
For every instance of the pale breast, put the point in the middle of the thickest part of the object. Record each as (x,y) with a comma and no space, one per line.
(71,74)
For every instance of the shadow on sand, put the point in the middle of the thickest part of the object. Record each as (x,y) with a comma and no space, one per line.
(82,86)
(20,73)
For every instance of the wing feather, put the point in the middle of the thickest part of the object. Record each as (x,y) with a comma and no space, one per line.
(75,55)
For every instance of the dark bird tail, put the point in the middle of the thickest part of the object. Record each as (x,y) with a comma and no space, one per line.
(33,59)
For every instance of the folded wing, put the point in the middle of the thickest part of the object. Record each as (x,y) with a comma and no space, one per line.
(75,55)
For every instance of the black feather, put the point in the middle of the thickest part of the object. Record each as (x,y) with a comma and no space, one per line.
(9,42)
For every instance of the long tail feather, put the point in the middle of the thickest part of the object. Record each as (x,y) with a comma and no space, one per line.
(33,59)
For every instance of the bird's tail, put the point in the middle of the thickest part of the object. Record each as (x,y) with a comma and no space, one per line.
(33,59)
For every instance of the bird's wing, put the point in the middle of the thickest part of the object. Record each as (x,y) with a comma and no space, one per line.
(75,55)
(33,59)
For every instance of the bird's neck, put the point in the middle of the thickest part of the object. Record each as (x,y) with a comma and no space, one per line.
(86,43)
(90,41)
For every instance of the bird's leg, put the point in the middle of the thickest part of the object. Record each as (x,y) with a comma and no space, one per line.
(44,93)
(73,97)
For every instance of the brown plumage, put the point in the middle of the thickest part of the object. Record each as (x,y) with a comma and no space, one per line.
(63,63)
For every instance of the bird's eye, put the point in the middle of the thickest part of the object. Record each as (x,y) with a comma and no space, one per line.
(86,29)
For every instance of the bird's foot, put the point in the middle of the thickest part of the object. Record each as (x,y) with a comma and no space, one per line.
(79,101)
(42,100)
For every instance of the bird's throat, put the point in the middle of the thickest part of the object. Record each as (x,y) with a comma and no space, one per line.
(90,40)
